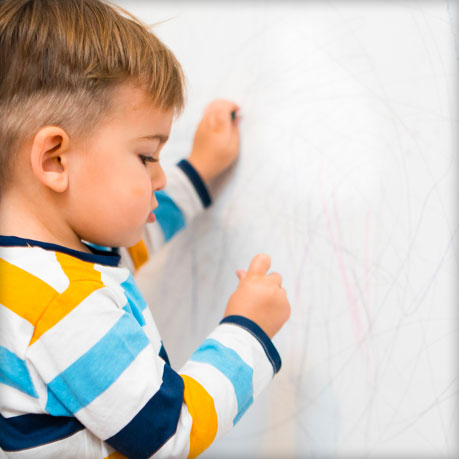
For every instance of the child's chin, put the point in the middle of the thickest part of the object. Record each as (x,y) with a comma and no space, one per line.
(133,239)
(124,240)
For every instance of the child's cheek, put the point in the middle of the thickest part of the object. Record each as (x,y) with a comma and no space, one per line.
(140,201)
(139,192)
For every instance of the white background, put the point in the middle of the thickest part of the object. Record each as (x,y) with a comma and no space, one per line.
(347,177)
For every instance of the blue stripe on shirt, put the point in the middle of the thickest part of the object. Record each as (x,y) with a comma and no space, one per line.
(97,369)
(233,367)
(169,216)
(136,302)
(14,372)
(31,430)
(163,354)
(155,423)
(257,332)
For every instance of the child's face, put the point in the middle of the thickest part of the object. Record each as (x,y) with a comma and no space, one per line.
(111,185)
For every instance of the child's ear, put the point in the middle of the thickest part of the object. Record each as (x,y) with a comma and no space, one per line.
(48,156)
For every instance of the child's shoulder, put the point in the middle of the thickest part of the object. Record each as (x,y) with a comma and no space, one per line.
(54,265)
(34,277)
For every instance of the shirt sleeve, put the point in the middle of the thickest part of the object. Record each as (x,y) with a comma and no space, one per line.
(100,367)
(223,377)
(185,196)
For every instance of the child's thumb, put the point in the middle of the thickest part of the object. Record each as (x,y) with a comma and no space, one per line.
(259,264)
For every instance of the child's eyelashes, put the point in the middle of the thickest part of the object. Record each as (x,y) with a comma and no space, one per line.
(147,159)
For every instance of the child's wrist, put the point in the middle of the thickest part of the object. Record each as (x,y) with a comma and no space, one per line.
(257,332)
(197,181)
(201,169)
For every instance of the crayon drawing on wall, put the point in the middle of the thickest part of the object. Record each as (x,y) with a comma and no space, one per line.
(348,177)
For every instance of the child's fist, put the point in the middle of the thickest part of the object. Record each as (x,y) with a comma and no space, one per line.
(260,297)
(216,141)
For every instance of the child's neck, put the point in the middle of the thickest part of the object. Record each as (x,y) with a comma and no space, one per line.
(22,218)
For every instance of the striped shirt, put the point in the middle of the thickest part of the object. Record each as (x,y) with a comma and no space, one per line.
(83,372)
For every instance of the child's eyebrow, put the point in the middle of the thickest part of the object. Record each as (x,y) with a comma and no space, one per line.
(162,138)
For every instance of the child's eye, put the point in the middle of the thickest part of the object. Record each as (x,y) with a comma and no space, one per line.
(147,159)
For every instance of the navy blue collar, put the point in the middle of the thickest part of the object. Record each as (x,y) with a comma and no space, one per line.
(97,256)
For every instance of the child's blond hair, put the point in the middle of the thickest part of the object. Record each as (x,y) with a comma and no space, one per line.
(61,59)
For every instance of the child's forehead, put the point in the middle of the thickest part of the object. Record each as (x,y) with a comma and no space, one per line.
(134,102)
(133,115)
(132,97)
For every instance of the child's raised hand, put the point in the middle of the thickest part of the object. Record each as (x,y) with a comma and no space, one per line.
(216,141)
(260,296)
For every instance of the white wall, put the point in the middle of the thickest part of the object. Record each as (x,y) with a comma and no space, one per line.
(348,177)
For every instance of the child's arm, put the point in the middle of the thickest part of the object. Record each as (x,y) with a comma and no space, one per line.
(215,147)
(103,367)
(216,142)
(238,360)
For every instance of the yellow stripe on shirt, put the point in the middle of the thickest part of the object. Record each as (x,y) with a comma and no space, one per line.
(84,280)
(23,293)
(139,254)
(115,455)
(202,410)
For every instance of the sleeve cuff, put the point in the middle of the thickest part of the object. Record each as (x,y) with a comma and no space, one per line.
(260,335)
(197,182)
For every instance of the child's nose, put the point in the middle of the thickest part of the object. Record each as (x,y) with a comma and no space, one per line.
(158,179)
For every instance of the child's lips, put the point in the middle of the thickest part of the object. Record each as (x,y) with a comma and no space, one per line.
(151,218)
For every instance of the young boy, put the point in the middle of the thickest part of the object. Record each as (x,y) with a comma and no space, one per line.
(87,98)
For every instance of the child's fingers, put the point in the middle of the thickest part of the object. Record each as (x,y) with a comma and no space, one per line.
(226,105)
(222,111)
(259,265)
(234,108)
(222,105)
(222,119)
(241,273)
(232,112)
(235,118)
(276,278)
